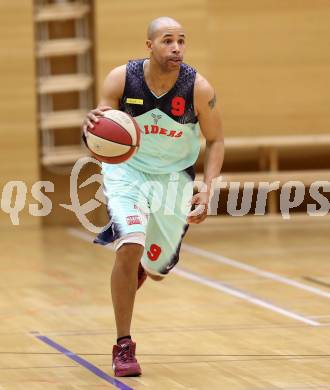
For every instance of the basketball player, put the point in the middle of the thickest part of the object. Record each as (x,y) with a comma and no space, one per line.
(170,101)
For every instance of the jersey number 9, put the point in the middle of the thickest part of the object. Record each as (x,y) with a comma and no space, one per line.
(178,106)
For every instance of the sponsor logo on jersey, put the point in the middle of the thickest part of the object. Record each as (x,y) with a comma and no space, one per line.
(133,220)
(134,101)
(156,118)
(154,129)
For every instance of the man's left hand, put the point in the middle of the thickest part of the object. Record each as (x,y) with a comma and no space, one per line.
(201,200)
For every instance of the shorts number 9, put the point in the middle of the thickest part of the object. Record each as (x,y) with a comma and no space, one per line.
(154,252)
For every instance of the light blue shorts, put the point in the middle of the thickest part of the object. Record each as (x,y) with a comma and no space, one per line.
(155,206)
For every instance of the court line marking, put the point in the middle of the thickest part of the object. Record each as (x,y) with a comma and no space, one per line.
(250,268)
(243,295)
(231,262)
(82,362)
(218,286)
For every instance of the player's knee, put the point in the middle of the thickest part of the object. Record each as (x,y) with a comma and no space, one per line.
(129,253)
(153,274)
(131,250)
(156,278)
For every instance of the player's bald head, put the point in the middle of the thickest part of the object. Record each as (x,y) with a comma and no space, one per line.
(157,25)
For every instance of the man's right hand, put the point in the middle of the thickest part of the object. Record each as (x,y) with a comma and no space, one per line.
(93,117)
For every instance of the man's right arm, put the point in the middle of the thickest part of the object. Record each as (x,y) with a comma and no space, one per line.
(112,92)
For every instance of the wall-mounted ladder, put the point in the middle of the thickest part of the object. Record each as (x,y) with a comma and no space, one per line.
(52,85)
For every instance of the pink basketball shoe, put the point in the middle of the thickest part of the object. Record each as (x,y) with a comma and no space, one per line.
(124,362)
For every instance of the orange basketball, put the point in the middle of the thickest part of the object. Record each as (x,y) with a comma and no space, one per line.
(115,138)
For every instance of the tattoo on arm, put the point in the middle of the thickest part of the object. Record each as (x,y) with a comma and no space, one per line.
(212,102)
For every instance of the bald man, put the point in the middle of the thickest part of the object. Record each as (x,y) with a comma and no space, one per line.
(150,196)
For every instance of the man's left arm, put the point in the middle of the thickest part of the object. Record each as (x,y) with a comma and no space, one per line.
(210,123)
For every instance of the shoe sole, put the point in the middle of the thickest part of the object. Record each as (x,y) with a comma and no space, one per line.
(126,372)
(126,375)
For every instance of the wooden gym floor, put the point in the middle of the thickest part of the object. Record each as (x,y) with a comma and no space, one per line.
(248,308)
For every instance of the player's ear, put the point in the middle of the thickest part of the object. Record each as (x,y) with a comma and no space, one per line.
(148,44)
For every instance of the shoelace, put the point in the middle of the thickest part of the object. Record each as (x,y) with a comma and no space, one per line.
(126,352)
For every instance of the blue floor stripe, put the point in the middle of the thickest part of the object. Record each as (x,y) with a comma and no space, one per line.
(82,362)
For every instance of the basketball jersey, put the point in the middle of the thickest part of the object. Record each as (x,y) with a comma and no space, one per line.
(169,126)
